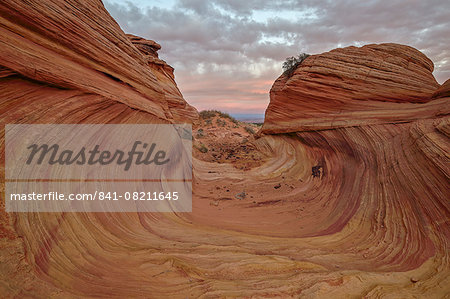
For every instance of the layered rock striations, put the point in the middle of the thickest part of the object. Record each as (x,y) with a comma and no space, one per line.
(77,46)
(349,197)
(376,124)
(166,79)
(353,86)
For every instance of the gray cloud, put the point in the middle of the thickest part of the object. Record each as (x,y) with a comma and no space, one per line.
(221,41)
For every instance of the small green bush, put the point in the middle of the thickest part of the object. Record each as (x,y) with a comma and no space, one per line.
(291,63)
(249,130)
(221,123)
(200,133)
(202,148)
(205,114)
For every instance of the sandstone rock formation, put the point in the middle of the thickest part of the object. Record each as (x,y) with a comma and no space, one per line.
(374,222)
(352,86)
(67,48)
(166,79)
(443,91)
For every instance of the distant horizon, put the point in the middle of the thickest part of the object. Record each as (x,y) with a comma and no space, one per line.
(254,117)
(227,54)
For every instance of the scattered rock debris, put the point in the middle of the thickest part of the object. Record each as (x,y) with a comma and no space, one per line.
(220,138)
(241,195)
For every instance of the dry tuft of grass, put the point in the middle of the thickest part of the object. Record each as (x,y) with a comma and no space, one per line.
(206,114)
(249,130)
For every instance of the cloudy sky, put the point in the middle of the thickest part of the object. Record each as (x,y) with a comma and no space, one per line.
(227,53)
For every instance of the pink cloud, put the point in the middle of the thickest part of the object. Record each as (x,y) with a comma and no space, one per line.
(215,91)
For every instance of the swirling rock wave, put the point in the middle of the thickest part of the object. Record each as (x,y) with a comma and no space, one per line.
(372,221)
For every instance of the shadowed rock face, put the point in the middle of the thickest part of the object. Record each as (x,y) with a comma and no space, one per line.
(443,91)
(374,222)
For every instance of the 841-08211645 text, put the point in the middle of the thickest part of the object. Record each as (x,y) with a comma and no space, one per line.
(97,195)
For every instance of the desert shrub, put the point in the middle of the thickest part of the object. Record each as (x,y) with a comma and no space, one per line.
(224,114)
(200,133)
(202,148)
(235,121)
(291,63)
(205,114)
(221,123)
(249,130)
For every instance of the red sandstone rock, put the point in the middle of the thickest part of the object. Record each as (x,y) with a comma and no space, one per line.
(373,224)
(71,44)
(443,91)
(351,86)
(166,79)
